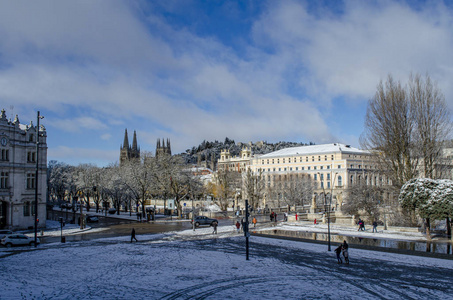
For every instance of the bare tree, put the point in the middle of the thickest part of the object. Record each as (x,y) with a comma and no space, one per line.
(405,127)
(389,131)
(432,123)
(227,184)
(364,198)
(253,184)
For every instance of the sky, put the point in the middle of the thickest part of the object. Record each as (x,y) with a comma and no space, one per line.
(200,265)
(300,71)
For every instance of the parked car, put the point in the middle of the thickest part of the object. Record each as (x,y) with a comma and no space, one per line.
(112,211)
(4,232)
(92,219)
(203,220)
(17,240)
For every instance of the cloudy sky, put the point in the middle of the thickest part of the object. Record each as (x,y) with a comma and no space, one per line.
(204,70)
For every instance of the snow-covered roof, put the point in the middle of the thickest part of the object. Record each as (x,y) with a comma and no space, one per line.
(315,149)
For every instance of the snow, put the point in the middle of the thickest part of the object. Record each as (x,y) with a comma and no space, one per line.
(315,149)
(199,265)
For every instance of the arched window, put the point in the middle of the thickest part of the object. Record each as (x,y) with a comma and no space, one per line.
(340,183)
(351,180)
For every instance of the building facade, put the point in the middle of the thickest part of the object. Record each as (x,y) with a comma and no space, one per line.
(18,173)
(234,163)
(332,168)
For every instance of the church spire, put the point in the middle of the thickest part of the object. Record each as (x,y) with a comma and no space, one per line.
(134,142)
(126,140)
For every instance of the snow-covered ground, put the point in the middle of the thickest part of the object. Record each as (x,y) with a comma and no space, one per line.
(200,265)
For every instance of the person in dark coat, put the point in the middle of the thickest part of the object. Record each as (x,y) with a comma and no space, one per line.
(238,225)
(215,228)
(338,252)
(133,235)
(344,250)
(375,226)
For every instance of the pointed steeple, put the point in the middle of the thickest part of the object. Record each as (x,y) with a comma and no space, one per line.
(134,142)
(126,140)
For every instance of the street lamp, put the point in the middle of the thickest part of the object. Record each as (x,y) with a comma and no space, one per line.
(36,178)
(327,209)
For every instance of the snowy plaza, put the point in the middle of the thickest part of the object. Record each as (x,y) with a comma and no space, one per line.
(200,265)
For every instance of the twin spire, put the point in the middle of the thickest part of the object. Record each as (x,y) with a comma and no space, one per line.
(127,151)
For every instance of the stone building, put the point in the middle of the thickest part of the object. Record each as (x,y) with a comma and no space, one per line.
(128,152)
(332,168)
(234,163)
(18,173)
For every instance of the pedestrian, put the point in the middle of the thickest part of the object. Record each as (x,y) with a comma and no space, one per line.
(238,226)
(375,226)
(272,216)
(360,223)
(315,222)
(286,217)
(214,224)
(338,252)
(275,217)
(254,222)
(133,235)
(344,249)
(362,226)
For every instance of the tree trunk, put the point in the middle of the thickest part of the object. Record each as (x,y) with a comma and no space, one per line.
(428,229)
(449,227)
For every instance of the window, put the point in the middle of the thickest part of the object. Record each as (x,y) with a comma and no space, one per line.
(322,184)
(26,209)
(340,181)
(297,168)
(31,181)
(328,176)
(308,168)
(360,166)
(325,157)
(285,169)
(5,154)
(272,161)
(306,158)
(290,169)
(332,157)
(289,160)
(300,160)
(278,160)
(303,168)
(31,138)
(279,169)
(322,167)
(321,176)
(274,169)
(319,158)
(328,167)
(314,168)
(262,162)
(339,166)
(351,180)
(283,160)
(4,180)
(31,156)
(352,166)
(315,177)
(328,184)
(267,161)
(312,158)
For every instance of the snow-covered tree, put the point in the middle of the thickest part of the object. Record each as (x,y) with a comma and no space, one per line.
(431,199)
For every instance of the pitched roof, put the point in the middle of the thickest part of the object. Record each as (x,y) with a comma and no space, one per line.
(315,150)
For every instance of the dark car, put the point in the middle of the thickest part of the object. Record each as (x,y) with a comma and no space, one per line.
(92,219)
(203,220)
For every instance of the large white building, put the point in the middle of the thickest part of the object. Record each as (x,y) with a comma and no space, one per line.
(332,167)
(18,174)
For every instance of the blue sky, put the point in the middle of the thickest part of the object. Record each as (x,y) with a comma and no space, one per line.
(205,70)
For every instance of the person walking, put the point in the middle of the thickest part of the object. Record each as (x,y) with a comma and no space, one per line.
(375,226)
(133,235)
(338,252)
(272,216)
(214,224)
(344,250)
(254,222)
(238,226)
(275,218)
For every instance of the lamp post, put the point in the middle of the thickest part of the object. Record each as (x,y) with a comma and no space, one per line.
(326,210)
(36,178)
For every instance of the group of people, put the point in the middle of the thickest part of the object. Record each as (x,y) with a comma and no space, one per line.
(362,225)
(343,248)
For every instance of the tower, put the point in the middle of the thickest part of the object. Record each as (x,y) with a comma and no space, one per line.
(128,152)
(162,148)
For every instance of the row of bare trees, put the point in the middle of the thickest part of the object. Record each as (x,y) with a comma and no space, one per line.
(163,177)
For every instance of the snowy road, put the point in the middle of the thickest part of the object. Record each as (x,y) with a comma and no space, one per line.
(188,265)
